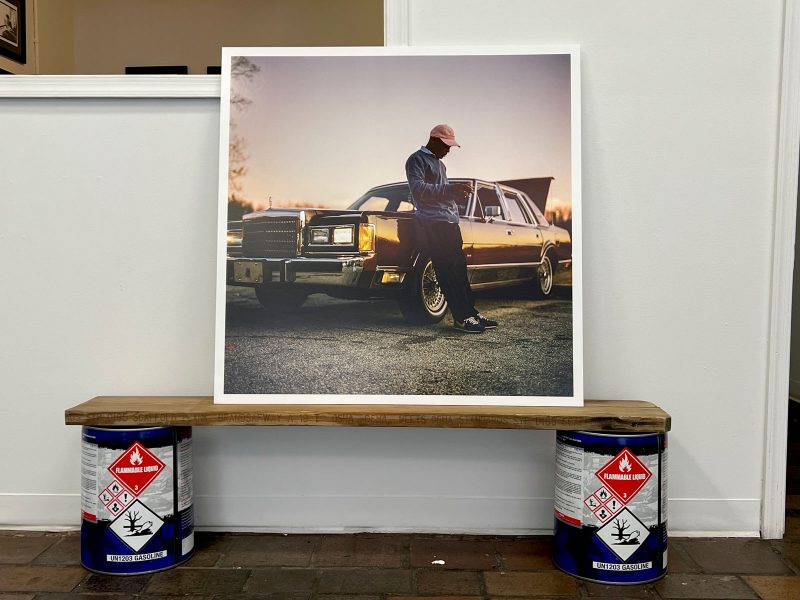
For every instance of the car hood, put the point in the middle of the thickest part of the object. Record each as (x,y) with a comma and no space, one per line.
(311,214)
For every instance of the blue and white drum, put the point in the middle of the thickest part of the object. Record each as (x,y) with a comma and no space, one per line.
(611,506)
(136,499)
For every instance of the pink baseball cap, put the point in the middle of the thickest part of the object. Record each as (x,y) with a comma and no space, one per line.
(446,134)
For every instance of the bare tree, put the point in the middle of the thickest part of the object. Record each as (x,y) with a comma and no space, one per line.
(133,518)
(619,529)
(242,69)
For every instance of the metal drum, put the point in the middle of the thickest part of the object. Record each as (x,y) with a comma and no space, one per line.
(136,499)
(611,506)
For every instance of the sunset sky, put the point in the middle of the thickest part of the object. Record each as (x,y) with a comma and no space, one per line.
(321,131)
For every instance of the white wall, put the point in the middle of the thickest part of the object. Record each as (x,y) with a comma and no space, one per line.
(103,294)
(680,105)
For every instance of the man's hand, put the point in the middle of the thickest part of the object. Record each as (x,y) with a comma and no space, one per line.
(462,190)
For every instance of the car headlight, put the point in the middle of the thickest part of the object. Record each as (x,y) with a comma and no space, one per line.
(320,236)
(234,238)
(343,235)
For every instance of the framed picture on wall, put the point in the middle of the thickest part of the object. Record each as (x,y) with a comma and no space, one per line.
(399,226)
(12,30)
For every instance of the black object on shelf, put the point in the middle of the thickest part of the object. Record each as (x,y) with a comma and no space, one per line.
(158,70)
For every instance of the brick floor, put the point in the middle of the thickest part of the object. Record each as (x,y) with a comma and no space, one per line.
(393,567)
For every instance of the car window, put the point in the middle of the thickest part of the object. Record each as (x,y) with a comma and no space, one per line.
(517,214)
(487,196)
(539,216)
(374,203)
(389,198)
(462,204)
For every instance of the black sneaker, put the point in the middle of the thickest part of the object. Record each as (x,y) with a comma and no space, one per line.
(487,323)
(469,325)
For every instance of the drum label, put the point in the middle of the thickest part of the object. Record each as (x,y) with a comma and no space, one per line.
(604,566)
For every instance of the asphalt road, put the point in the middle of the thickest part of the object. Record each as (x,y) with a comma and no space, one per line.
(332,346)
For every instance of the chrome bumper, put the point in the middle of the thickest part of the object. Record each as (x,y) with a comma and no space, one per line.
(303,271)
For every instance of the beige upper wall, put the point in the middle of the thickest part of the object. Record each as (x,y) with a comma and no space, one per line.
(110,34)
(55,43)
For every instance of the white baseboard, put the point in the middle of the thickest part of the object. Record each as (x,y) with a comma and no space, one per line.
(688,517)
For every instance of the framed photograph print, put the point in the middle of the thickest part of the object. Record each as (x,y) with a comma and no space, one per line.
(12,30)
(400,226)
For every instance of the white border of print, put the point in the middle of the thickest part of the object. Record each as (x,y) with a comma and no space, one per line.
(576,399)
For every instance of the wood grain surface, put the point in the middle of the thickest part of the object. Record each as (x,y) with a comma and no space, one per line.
(595,415)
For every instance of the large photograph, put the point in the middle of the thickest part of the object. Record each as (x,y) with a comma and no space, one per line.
(399,226)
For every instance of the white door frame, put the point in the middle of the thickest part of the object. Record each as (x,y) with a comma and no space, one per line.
(773,505)
(397,31)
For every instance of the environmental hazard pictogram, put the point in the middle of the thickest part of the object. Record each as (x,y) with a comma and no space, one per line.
(624,534)
(136,526)
(136,468)
(624,475)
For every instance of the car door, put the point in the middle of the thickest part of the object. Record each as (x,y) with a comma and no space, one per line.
(527,241)
(491,242)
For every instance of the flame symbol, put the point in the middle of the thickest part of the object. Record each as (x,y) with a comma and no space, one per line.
(136,458)
(625,465)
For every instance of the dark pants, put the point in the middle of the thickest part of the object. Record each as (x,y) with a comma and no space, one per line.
(442,242)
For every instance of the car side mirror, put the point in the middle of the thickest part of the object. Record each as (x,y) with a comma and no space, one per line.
(491,212)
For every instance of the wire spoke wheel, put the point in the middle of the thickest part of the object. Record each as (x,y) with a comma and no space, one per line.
(432,294)
(546,276)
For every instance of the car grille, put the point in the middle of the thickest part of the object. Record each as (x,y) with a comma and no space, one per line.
(270,237)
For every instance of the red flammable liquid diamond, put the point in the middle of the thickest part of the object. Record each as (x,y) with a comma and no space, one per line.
(624,475)
(136,468)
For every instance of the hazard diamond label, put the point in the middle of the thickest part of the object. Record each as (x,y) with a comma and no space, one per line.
(613,506)
(592,502)
(115,488)
(136,526)
(105,497)
(624,475)
(603,494)
(624,534)
(115,507)
(136,468)
(602,514)
(125,498)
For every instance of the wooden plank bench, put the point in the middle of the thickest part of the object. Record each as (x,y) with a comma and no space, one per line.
(612,416)
(618,417)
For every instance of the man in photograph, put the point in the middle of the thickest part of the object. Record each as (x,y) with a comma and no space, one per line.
(439,234)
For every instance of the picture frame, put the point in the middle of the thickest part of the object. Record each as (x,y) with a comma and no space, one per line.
(292,111)
(12,30)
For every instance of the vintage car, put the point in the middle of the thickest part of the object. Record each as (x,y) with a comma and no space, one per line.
(368,250)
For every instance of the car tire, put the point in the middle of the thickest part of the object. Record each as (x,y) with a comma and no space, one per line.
(280,300)
(422,302)
(545,275)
